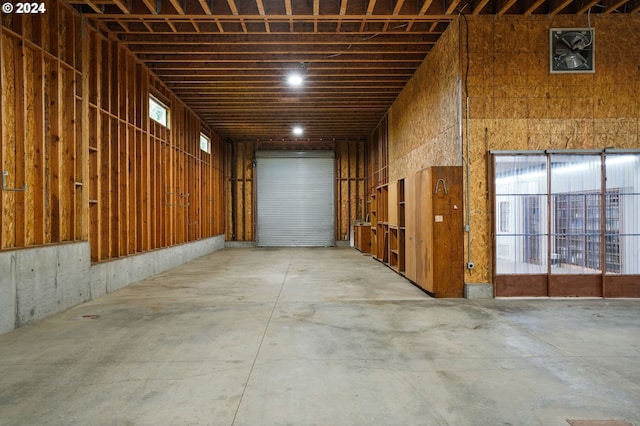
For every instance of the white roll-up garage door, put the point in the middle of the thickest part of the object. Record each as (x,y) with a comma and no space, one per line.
(295,196)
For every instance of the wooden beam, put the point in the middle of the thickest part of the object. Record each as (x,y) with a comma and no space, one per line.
(233,7)
(425,6)
(452,7)
(93,6)
(152,5)
(261,11)
(124,27)
(615,6)
(343,7)
(288,11)
(234,11)
(173,27)
(533,7)
(560,7)
(505,7)
(219,25)
(123,7)
(177,6)
(587,6)
(20,126)
(398,7)
(476,10)
(423,9)
(279,17)
(308,39)
(83,141)
(205,7)
(147,26)
(392,57)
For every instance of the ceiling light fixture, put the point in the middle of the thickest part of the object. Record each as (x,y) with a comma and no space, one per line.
(298,131)
(295,79)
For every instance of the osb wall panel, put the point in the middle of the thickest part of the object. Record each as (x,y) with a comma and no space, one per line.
(516,104)
(377,156)
(424,119)
(240,182)
(76,131)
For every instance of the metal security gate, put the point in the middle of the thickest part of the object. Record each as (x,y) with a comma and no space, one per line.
(295,198)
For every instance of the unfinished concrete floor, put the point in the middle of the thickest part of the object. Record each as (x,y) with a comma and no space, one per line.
(318,336)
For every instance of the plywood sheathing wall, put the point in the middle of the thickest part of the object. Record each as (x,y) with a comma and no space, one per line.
(349,190)
(377,157)
(424,119)
(76,131)
(516,104)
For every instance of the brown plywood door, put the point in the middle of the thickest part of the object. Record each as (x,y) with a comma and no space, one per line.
(424,237)
(447,248)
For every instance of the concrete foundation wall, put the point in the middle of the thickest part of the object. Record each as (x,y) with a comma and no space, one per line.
(39,282)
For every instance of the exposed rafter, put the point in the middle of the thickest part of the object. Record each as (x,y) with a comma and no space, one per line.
(615,6)
(533,7)
(587,7)
(206,7)
(560,7)
(479,7)
(229,59)
(505,8)
(123,7)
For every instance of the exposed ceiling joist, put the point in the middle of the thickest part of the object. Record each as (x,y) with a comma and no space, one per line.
(229,59)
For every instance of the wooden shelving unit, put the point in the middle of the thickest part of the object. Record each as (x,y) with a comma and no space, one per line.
(362,237)
(401,227)
(373,219)
(382,228)
(396,254)
(420,229)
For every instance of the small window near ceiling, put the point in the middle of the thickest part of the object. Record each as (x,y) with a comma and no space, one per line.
(205,143)
(158,111)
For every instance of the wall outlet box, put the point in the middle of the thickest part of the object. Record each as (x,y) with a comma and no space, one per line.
(439,218)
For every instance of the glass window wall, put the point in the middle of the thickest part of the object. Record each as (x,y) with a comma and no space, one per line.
(521,200)
(553,213)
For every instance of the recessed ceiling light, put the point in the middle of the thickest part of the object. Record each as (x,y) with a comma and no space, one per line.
(298,131)
(295,80)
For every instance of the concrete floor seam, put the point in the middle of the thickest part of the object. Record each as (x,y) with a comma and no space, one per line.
(266,328)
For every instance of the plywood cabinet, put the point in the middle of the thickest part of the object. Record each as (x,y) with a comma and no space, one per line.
(382,228)
(362,237)
(374,223)
(433,231)
(418,227)
(396,203)
(439,231)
